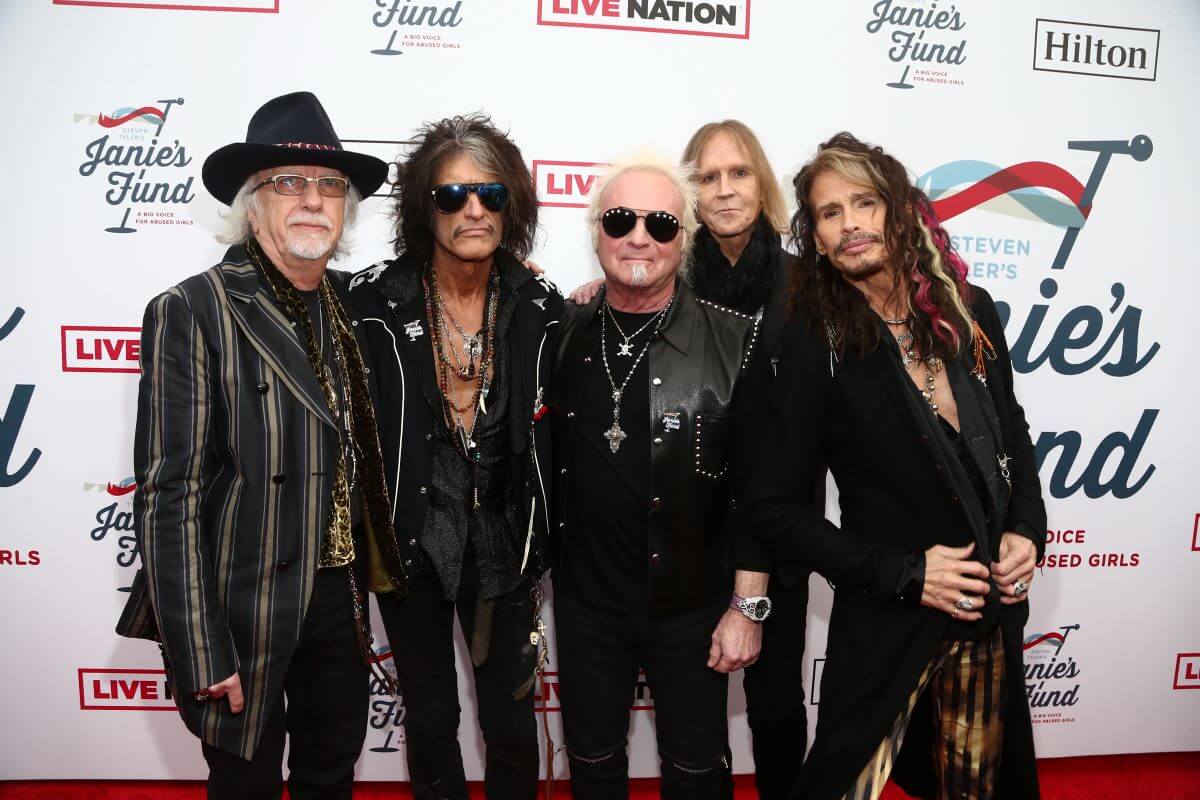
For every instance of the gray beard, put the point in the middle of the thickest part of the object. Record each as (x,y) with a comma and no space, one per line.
(637,275)
(310,248)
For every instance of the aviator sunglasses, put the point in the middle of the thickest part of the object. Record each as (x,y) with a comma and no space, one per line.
(450,197)
(619,221)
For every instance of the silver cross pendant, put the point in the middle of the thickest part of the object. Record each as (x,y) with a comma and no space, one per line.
(615,436)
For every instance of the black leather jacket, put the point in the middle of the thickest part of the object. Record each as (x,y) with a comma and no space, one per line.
(695,370)
(388,303)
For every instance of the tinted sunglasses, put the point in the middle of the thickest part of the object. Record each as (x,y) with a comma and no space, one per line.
(619,221)
(450,197)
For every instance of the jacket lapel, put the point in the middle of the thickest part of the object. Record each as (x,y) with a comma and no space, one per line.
(255,311)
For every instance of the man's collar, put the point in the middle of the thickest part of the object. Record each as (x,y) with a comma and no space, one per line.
(676,328)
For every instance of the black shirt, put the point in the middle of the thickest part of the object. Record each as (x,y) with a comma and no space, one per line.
(454,528)
(607,559)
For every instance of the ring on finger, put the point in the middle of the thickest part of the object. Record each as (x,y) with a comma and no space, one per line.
(1020,588)
(965,604)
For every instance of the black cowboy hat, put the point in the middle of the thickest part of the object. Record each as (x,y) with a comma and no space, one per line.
(292,129)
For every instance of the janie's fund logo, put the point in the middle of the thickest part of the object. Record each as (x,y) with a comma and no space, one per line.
(413,26)
(139,165)
(1051,676)
(924,40)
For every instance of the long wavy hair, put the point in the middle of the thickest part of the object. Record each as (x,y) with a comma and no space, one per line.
(921,259)
(492,151)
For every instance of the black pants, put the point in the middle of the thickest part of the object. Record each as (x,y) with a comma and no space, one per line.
(599,654)
(775,693)
(325,715)
(420,630)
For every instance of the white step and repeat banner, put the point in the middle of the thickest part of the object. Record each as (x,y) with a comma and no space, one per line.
(1058,141)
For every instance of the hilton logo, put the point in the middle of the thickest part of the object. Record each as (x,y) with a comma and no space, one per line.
(1105,51)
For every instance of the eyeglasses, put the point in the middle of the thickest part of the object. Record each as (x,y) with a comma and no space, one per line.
(327,185)
(619,221)
(450,197)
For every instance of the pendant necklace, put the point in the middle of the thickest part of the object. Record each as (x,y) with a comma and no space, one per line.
(626,348)
(615,435)
(932,364)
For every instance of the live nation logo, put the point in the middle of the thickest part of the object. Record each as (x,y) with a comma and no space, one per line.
(89,348)
(1051,676)
(728,19)
(139,165)
(547,697)
(109,689)
(411,26)
(260,6)
(566,184)
(924,40)
(113,520)
(1187,671)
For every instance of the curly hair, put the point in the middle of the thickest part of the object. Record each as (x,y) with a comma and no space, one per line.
(923,263)
(492,151)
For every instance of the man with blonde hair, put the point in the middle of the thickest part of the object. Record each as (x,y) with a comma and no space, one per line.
(739,262)
(645,379)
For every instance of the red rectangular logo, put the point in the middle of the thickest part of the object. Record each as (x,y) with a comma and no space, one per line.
(259,6)
(727,19)
(567,184)
(547,697)
(1187,671)
(87,348)
(124,690)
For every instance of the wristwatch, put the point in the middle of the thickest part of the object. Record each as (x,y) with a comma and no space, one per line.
(756,609)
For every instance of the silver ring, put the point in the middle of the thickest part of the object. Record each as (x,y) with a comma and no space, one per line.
(1020,588)
(964,604)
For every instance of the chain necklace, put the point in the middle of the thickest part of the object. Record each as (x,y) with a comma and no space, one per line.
(465,436)
(615,435)
(473,346)
(626,349)
(932,364)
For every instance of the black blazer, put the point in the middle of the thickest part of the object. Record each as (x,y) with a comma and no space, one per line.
(896,501)
(389,302)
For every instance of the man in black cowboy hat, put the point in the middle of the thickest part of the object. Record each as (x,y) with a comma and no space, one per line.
(258,469)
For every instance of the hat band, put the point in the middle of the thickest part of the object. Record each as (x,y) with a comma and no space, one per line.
(307,146)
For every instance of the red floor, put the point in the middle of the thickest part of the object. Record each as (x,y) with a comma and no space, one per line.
(1166,776)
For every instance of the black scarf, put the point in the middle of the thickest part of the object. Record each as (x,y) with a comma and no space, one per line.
(743,286)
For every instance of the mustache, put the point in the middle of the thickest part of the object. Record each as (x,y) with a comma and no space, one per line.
(855,238)
(491,229)
(307,218)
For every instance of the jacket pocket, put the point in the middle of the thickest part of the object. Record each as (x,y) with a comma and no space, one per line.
(711,448)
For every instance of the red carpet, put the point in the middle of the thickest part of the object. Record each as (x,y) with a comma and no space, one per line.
(1166,776)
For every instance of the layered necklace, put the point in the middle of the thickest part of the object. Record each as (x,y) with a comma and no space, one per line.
(615,435)
(478,352)
(909,357)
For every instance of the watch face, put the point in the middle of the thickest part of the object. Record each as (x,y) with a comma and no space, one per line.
(761,608)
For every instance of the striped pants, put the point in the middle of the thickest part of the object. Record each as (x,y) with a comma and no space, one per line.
(970,694)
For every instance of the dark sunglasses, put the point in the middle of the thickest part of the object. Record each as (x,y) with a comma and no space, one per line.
(619,221)
(450,197)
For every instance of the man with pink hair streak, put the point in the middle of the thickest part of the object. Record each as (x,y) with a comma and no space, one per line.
(894,372)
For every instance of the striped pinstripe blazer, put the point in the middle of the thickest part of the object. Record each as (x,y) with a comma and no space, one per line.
(234,454)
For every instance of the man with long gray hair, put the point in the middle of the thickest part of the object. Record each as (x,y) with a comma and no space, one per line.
(645,379)
(258,471)
(462,336)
